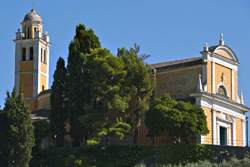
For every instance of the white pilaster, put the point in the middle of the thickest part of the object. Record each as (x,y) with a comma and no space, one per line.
(39,68)
(213,78)
(214,127)
(228,143)
(47,68)
(218,134)
(234,131)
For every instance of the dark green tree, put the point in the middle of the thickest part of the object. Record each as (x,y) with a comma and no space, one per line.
(79,79)
(58,101)
(42,130)
(16,131)
(107,74)
(140,83)
(179,119)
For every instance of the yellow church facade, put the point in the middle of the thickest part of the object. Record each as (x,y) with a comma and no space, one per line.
(209,81)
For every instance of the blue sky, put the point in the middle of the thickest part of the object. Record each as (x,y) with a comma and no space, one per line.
(166,29)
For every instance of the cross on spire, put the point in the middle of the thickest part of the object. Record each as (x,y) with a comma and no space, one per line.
(33,5)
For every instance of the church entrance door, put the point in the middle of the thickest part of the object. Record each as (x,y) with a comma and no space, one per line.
(223,134)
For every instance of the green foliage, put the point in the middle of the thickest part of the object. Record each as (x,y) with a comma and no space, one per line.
(139,83)
(118,129)
(59,111)
(91,143)
(98,156)
(206,163)
(51,157)
(16,131)
(42,130)
(179,119)
(79,79)
(107,73)
(183,154)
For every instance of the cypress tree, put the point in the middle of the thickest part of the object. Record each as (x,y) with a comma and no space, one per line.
(16,131)
(59,111)
(79,79)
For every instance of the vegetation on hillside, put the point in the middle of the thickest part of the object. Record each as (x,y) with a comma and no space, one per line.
(16,131)
(179,119)
(98,156)
(58,102)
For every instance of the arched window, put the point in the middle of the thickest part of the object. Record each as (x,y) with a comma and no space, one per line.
(31,53)
(28,33)
(44,59)
(222,91)
(23,54)
(41,54)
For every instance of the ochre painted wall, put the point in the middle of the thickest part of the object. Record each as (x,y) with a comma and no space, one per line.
(44,68)
(222,53)
(235,86)
(44,102)
(26,66)
(43,82)
(209,136)
(239,141)
(209,76)
(26,80)
(219,69)
(31,104)
(179,84)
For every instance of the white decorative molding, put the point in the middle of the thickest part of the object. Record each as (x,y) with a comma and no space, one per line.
(222,84)
(213,77)
(214,127)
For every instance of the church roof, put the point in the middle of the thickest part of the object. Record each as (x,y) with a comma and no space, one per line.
(44,92)
(33,16)
(40,114)
(177,63)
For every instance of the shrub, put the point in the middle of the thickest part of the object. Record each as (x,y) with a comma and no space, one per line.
(183,154)
(232,162)
(88,156)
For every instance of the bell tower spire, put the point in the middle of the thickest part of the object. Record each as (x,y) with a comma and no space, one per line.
(31,58)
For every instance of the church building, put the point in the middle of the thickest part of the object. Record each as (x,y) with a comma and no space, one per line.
(209,81)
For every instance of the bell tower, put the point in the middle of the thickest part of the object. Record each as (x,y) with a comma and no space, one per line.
(31,58)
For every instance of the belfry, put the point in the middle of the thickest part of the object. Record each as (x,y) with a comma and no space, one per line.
(32,58)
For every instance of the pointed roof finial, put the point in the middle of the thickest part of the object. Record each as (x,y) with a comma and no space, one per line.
(241,97)
(33,5)
(221,39)
(199,86)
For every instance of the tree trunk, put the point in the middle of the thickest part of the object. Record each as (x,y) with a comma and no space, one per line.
(85,138)
(107,140)
(187,140)
(136,132)
(153,140)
